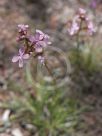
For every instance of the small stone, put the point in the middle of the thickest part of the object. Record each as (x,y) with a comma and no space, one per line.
(16,132)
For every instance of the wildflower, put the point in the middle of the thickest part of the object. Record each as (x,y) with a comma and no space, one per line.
(79,20)
(74,28)
(93,4)
(22,29)
(40,38)
(91,28)
(38,47)
(33,44)
(82,11)
(20,58)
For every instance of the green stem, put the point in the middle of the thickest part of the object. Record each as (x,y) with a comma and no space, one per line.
(78,44)
(50,73)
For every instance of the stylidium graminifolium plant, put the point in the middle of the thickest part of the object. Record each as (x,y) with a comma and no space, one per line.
(80,27)
(78,21)
(31,45)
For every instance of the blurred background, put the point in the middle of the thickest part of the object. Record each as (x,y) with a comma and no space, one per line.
(26,110)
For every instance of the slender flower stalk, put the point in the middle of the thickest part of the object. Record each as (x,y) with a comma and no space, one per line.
(50,73)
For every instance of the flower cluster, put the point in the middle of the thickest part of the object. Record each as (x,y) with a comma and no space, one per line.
(78,21)
(95,3)
(32,45)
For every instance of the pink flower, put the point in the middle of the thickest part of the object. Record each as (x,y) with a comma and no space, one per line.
(40,37)
(20,58)
(40,40)
(82,11)
(95,3)
(22,28)
(74,28)
(38,47)
(91,28)
(78,22)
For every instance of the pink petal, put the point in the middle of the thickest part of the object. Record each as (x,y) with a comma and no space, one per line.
(20,63)
(38,49)
(39,35)
(39,31)
(49,43)
(27,26)
(26,56)
(20,25)
(32,39)
(15,58)
(21,51)
(71,32)
(47,37)
(82,11)
(42,43)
